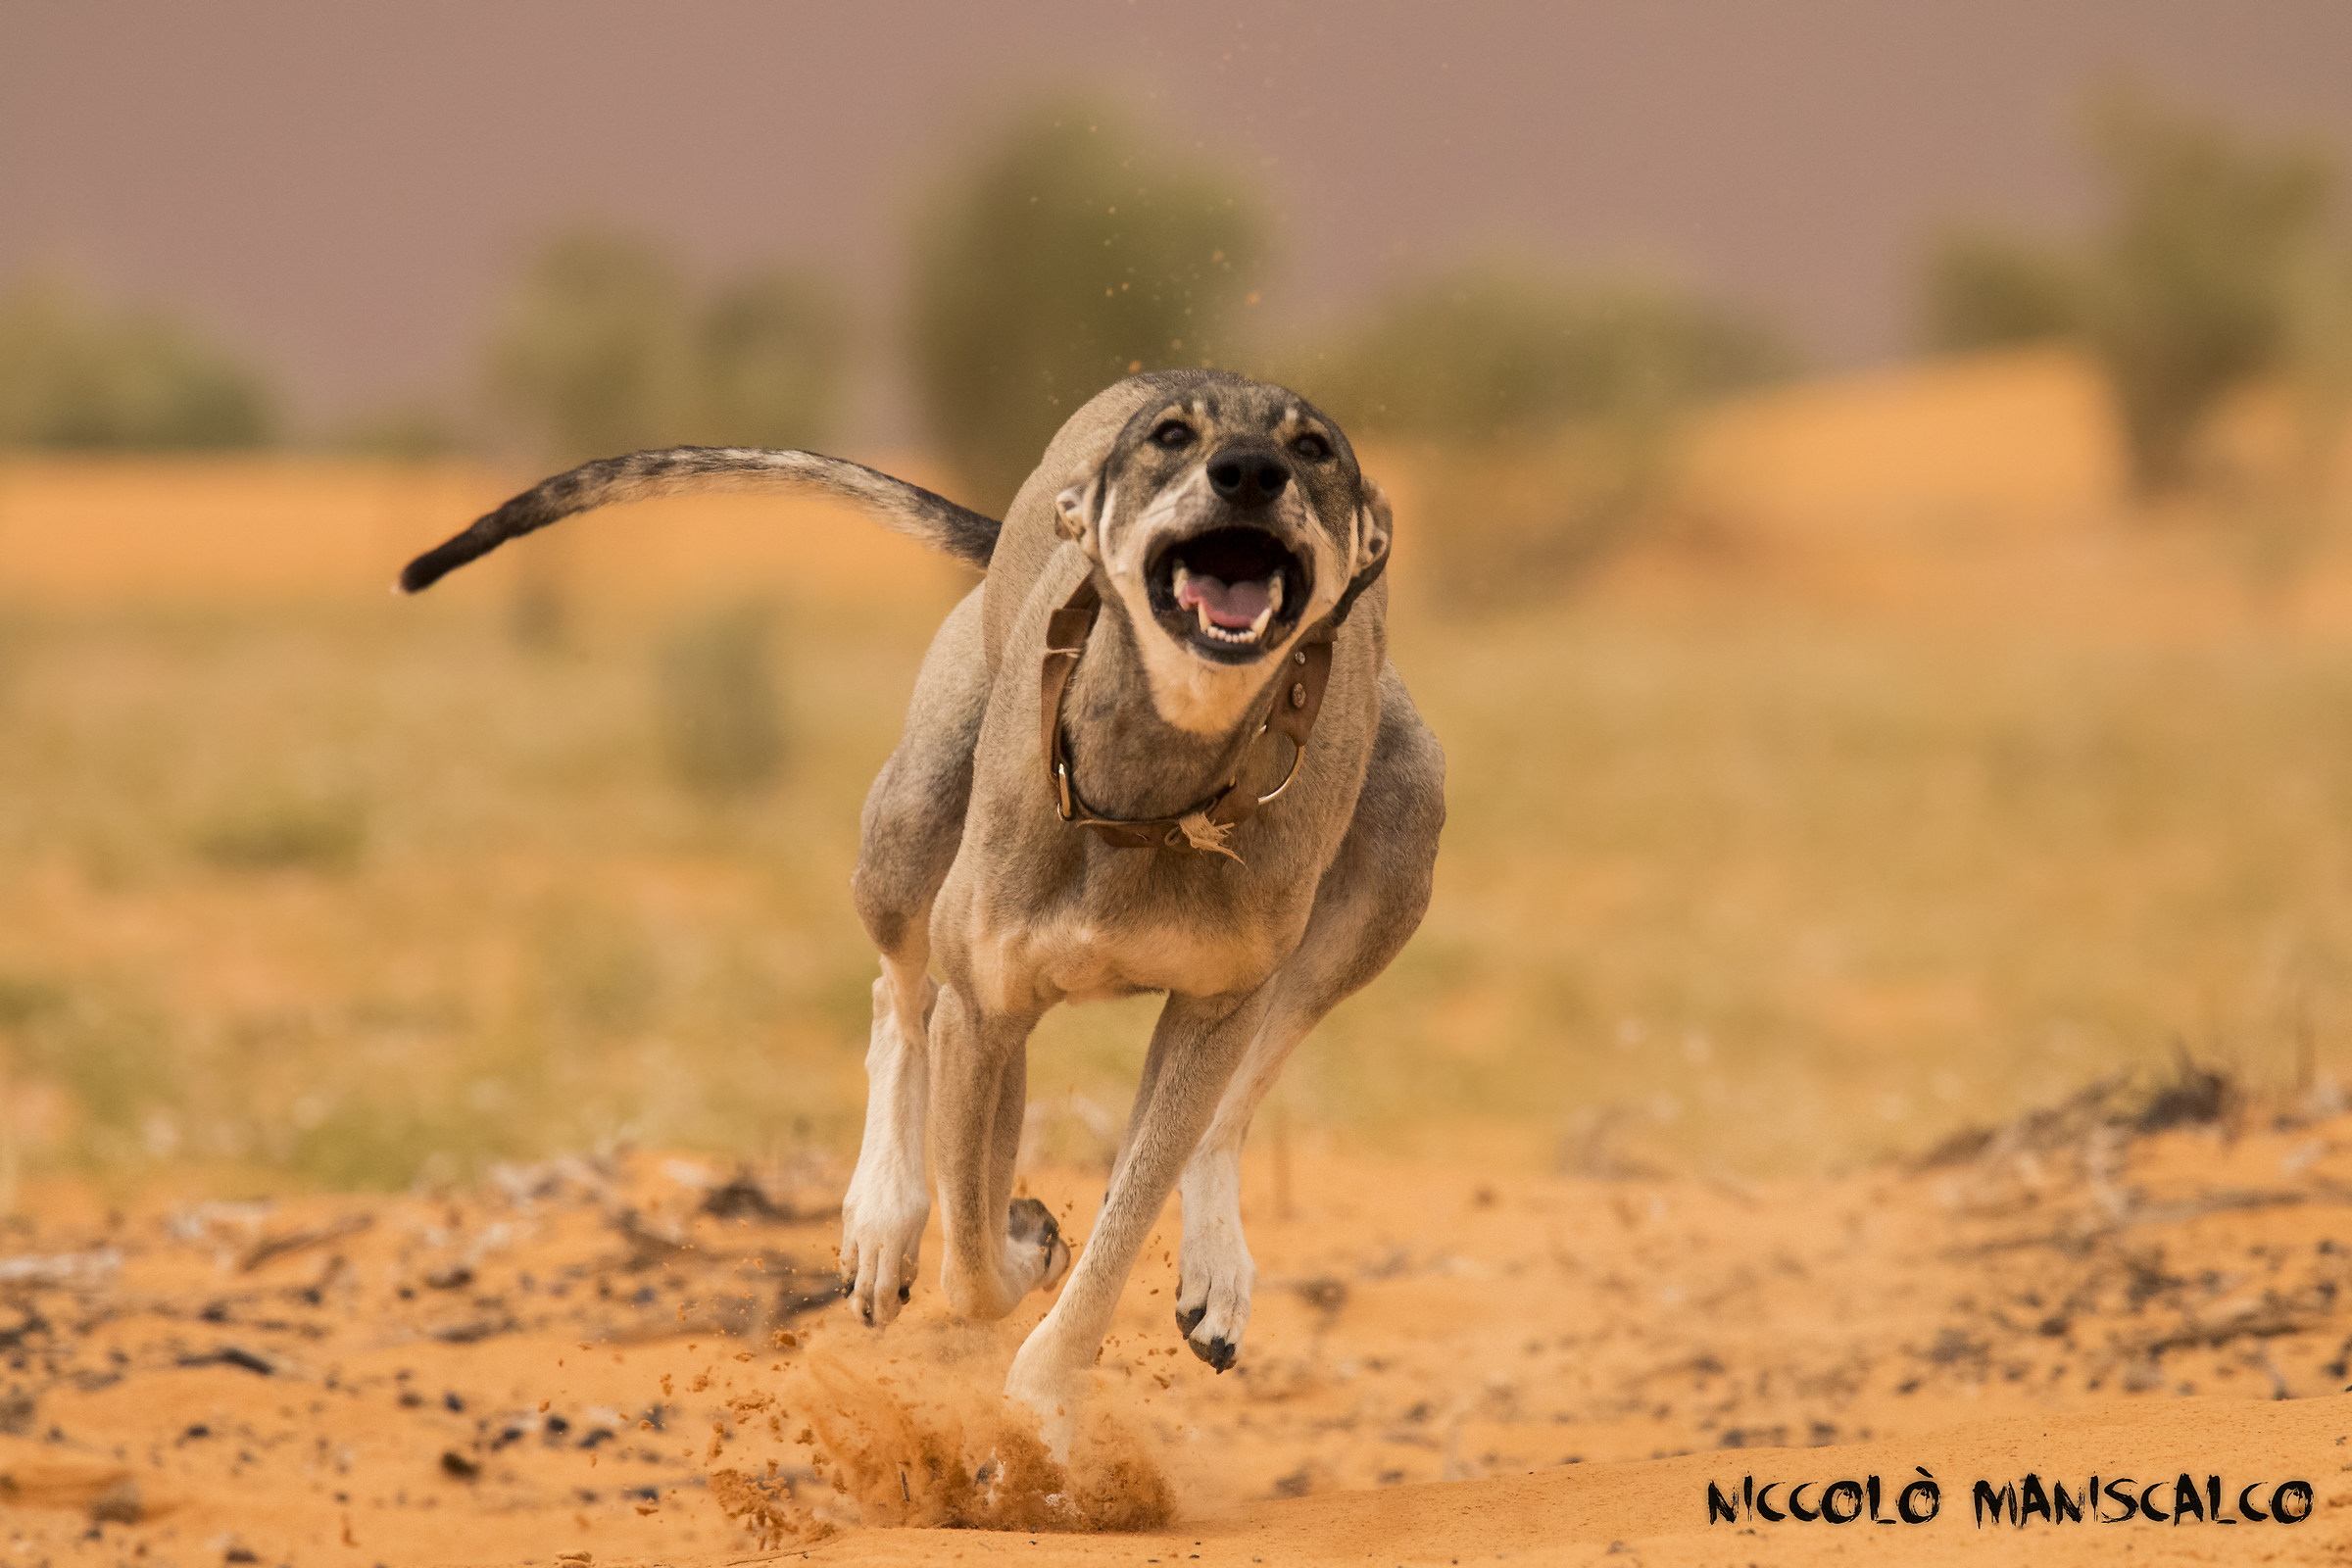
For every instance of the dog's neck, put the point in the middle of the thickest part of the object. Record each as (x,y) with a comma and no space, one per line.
(1127,759)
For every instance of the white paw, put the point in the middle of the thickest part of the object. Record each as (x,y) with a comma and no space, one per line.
(1215,1275)
(881,1233)
(1042,1385)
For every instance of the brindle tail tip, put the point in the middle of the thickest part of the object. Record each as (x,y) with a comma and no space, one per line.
(436,564)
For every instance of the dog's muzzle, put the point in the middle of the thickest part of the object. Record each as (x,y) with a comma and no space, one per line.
(1228,592)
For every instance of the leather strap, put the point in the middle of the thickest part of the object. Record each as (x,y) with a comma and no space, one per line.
(1298,700)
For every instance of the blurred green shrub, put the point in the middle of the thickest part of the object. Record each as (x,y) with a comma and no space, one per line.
(1988,289)
(2186,287)
(1499,350)
(592,349)
(1070,252)
(415,431)
(77,374)
(721,710)
(112,1057)
(1563,395)
(2197,268)
(774,351)
(278,833)
(604,348)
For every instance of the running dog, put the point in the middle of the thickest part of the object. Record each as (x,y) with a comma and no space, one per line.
(1160,749)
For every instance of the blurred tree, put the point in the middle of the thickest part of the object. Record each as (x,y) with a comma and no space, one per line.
(1986,288)
(773,355)
(1562,394)
(592,352)
(75,375)
(1069,255)
(2196,268)
(605,349)
(2186,287)
(1501,350)
(415,431)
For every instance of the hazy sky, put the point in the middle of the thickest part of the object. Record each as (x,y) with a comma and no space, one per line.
(340,187)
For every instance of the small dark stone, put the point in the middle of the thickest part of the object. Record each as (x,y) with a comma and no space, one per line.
(1325,1294)
(117,1504)
(453,1463)
(741,1195)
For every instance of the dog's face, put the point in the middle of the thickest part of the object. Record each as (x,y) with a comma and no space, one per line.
(1230,516)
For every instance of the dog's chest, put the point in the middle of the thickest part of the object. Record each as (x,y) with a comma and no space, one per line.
(1084,957)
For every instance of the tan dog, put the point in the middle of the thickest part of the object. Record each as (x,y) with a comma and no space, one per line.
(1160,749)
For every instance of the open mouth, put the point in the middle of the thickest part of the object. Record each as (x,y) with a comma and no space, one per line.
(1228,592)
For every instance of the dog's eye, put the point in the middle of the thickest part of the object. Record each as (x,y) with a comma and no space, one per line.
(1175,435)
(1313,448)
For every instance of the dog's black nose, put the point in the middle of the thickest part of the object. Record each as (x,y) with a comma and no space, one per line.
(1246,477)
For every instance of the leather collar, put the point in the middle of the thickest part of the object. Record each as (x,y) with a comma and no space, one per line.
(1206,824)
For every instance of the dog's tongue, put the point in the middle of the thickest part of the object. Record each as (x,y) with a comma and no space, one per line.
(1231,604)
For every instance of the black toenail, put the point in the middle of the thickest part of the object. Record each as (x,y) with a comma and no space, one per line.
(905,1291)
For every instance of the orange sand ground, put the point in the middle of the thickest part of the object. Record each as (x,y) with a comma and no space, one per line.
(589,1357)
(581,1363)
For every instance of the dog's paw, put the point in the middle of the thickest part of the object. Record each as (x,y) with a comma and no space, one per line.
(880,1238)
(1214,1278)
(1043,1382)
(1036,1257)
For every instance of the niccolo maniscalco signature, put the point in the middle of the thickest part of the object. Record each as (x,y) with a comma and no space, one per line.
(1917,1499)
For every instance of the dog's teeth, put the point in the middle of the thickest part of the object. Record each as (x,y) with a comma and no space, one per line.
(1207,624)
(1183,576)
(1273,600)
(1258,627)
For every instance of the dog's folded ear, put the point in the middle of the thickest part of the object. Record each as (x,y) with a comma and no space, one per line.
(1374,524)
(1075,510)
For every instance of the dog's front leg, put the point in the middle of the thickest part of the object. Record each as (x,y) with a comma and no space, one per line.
(1198,1043)
(889,1201)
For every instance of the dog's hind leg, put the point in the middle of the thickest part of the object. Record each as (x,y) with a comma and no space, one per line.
(912,826)
(1368,902)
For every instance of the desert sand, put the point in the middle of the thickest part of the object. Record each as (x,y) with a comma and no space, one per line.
(1545,1343)
(641,1359)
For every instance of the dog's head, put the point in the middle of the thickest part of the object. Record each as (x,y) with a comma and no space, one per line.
(1229,516)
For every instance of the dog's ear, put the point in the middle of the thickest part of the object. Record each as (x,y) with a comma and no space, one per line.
(1075,510)
(1374,526)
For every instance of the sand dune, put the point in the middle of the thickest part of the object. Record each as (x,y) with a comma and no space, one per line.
(1981,488)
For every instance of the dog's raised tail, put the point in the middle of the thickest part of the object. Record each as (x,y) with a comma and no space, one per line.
(906,509)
